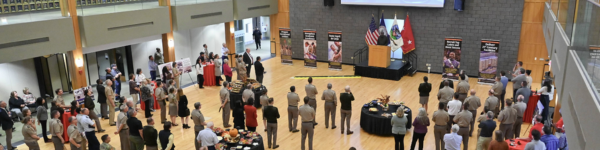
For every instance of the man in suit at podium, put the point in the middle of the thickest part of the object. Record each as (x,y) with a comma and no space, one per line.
(248,60)
(383,37)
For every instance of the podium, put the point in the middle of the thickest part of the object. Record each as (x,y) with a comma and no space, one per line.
(379,56)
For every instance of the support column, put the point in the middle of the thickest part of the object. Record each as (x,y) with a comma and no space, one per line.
(230,42)
(167,38)
(75,61)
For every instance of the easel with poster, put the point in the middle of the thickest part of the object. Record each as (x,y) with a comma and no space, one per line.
(184,65)
(79,94)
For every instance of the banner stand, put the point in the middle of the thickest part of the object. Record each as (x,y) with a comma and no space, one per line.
(488,61)
(310,48)
(334,50)
(452,56)
(285,37)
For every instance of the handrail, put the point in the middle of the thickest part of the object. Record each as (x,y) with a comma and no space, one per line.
(359,53)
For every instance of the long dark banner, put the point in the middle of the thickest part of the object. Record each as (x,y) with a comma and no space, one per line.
(488,60)
(285,37)
(452,51)
(310,48)
(334,49)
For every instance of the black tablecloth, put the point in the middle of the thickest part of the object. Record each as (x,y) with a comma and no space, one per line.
(376,124)
(259,140)
(234,97)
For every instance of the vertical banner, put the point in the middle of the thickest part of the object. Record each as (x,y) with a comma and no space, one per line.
(488,60)
(80,94)
(452,50)
(285,37)
(334,46)
(310,48)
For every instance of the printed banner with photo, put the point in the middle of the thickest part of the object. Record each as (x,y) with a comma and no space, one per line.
(80,95)
(162,66)
(488,61)
(184,65)
(452,48)
(310,48)
(334,49)
(285,37)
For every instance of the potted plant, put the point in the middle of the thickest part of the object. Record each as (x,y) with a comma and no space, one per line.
(384,100)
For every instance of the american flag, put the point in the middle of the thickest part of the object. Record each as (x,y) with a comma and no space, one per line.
(372,34)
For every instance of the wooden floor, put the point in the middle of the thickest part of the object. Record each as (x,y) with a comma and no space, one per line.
(278,80)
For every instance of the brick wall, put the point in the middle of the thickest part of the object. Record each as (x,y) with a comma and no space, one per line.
(486,19)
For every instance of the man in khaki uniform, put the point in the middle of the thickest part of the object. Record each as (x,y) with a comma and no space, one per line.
(440,118)
(492,102)
(110,97)
(293,100)
(308,118)
(247,94)
(507,119)
(311,93)
(199,121)
(463,119)
(224,93)
(462,88)
(445,94)
(498,87)
(520,107)
(474,104)
(57,130)
(75,137)
(161,95)
(330,105)
(30,135)
(122,128)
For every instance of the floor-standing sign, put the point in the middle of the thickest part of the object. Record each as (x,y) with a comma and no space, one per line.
(452,50)
(310,48)
(334,49)
(488,60)
(285,37)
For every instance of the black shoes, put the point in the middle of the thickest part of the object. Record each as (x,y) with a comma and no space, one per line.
(333,127)
(185,126)
(100,131)
(295,130)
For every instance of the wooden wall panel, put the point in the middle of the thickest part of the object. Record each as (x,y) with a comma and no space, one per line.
(532,45)
(280,20)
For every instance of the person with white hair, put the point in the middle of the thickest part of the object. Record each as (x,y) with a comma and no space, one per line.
(227,70)
(207,137)
(420,123)
(224,51)
(225,104)
(198,119)
(452,139)
(122,128)
(247,93)
(487,129)
(520,106)
(346,99)
(399,128)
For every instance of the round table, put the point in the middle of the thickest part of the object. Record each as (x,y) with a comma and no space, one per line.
(65,121)
(517,145)
(531,105)
(373,122)
(209,75)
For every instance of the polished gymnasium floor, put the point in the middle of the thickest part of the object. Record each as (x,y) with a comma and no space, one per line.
(278,80)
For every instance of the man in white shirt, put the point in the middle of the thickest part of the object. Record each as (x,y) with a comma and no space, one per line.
(88,128)
(248,61)
(224,51)
(207,137)
(200,72)
(454,107)
(453,140)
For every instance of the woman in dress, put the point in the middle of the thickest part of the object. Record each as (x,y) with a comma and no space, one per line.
(227,70)
(421,123)
(184,111)
(399,128)
(424,90)
(218,68)
(30,134)
(251,116)
(545,97)
(166,74)
(42,115)
(173,105)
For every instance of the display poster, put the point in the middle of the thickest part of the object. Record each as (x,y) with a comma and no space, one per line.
(334,49)
(184,65)
(452,50)
(80,94)
(310,48)
(488,61)
(285,35)
(162,66)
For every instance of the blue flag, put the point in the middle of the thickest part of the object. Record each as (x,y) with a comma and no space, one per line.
(382,27)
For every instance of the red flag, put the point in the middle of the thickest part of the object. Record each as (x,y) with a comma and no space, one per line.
(407,37)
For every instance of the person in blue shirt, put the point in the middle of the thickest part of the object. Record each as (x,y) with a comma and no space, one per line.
(562,140)
(152,67)
(504,81)
(549,139)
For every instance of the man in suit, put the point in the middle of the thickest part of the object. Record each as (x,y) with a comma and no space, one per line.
(7,124)
(445,78)
(259,70)
(517,81)
(248,60)
(330,99)
(257,36)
